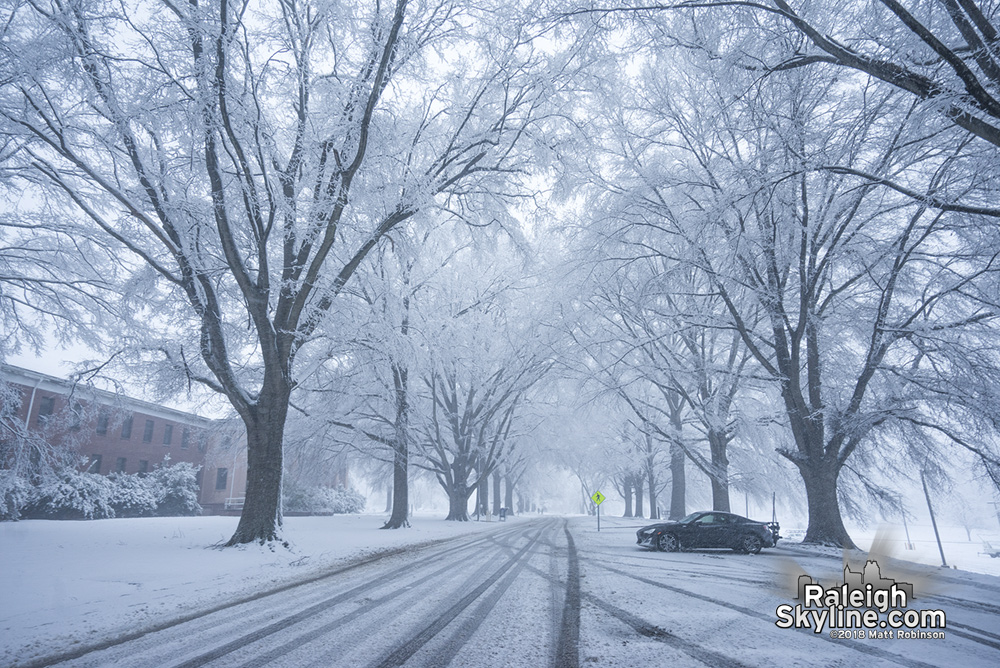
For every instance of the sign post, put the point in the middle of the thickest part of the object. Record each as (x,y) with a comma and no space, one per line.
(598,499)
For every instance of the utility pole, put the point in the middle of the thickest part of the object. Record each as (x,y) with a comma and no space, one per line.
(927,495)
(902,511)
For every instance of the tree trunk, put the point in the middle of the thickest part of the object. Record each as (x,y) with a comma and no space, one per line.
(400,455)
(508,492)
(388,495)
(649,464)
(717,443)
(458,504)
(400,492)
(496,493)
(825,523)
(678,482)
(483,495)
(819,470)
(627,484)
(638,496)
(654,511)
(260,520)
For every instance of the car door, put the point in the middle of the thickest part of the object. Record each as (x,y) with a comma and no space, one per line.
(707,531)
(730,531)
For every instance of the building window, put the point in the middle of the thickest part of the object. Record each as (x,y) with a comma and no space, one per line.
(143,466)
(102,422)
(197,478)
(168,433)
(120,465)
(95,464)
(202,442)
(220,478)
(45,409)
(147,433)
(185,437)
(127,427)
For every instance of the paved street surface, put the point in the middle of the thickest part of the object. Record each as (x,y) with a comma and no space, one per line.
(554,592)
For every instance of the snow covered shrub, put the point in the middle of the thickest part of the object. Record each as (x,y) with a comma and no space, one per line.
(134,496)
(347,501)
(176,489)
(14,493)
(72,495)
(296,499)
(168,490)
(322,500)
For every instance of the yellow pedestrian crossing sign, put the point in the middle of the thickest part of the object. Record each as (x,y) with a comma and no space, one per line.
(598,498)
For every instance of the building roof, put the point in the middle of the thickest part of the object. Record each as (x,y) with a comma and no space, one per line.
(47,383)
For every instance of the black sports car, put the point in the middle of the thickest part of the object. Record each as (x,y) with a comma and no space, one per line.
(709,528)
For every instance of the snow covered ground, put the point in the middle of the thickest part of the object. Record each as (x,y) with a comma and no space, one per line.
(66,583)
(69,584)
(717,608)
(961,551)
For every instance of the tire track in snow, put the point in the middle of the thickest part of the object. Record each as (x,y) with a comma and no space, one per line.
(284,649)
(313,610)
(968,636)
(706,656)
(401,654)
(973,628)
(568,647)
(951,624)
(464,633)
(972,606)
(675,568)
(642,627)
(975,606)
(121,639)
(865,649)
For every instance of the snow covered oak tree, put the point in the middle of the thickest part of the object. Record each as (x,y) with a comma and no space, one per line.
(245,158)
(859,303)
(482,358)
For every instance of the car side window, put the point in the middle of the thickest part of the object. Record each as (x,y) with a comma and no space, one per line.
(706,519)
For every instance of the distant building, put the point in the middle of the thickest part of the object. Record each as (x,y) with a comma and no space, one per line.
(120,434)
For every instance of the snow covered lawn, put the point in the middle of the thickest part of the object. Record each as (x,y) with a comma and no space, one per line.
(66,583)
(962,551)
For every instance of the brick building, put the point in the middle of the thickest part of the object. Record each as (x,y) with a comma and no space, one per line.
(118,433)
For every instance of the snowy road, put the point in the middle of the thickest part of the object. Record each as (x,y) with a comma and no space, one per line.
(554,592)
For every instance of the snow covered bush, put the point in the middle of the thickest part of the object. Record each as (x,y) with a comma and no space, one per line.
(72,495)
(133,495)
(322,500)
(177,489)
(14,494)
(168,490)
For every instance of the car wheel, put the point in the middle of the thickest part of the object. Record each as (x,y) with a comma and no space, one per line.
(667,542)
(750,544)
